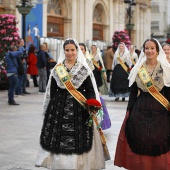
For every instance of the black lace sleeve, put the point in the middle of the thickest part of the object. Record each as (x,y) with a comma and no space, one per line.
(133,96)
(53,87)
(88,88)
(167,93)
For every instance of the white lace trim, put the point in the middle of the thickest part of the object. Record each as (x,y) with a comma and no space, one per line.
(78,74)
(157,78)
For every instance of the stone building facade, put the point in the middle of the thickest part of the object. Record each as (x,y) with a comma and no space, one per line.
(91,20)
(160,19)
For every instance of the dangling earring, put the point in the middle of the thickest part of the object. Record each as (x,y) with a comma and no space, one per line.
(157,54)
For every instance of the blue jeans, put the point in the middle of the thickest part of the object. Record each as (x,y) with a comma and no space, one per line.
(18,89)
(13,82)
(42,79)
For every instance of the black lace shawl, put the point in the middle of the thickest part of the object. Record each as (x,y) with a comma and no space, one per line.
(65,127)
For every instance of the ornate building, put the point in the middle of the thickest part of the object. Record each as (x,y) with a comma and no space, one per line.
(160,19)
(91,20)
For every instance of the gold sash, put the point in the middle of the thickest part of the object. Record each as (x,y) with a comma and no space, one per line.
(65,79)
(133,62)
(122,64)
(147,81)
(97,65)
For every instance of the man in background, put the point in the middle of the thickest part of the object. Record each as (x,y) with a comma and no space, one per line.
(108,60)
(42,66)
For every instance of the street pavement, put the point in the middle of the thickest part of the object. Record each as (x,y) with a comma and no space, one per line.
(20,128)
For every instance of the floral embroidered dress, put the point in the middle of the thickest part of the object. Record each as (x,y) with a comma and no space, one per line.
(144,139)
(67,142)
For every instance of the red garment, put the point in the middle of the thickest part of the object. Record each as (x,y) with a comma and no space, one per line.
(32,61)
(124,157)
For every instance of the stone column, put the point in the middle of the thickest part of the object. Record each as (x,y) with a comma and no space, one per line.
(88,20)
(67,28)
(74,19)
(81,25)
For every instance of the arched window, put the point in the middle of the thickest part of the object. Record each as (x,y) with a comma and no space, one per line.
(97,23)
(55,24)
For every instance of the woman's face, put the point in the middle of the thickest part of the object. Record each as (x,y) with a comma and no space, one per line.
(150,50)
(166,49)
(70,52)
(131,49)
(121,47)
(82,49)
(93,49)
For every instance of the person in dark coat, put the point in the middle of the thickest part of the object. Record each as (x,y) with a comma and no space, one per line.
(41,65)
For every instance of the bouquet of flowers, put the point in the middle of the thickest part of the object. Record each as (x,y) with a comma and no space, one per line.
(93,106)
(120,36)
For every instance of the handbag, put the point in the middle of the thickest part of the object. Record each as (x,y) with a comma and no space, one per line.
(20,68)
(51,63)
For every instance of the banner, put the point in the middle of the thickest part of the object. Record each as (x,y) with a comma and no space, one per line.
(34,26)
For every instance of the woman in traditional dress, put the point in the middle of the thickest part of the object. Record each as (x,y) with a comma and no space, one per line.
(144,139)
(99,71)
(67,142)
(86,55)
(166,48)
(133,54)
(106,122)
(121,66)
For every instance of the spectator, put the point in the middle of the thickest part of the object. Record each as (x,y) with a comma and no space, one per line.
(32,67)
(108,60)
(12,64)
(41,65)
(50,60)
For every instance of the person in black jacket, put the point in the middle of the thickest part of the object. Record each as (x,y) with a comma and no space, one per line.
(41,65)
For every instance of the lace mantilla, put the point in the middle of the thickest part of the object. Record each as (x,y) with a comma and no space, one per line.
(122,57)
(78,74)
(157,78)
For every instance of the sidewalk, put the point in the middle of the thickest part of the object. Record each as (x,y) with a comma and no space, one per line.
(20,128)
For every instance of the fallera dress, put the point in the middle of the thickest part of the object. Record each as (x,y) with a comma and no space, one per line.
(119,85)
(144,139)
(66,141)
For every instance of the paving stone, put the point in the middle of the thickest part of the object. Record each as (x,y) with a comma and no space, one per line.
(20,128)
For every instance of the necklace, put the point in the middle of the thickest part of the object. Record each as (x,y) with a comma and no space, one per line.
(68,66)
(121,54)
(151,69)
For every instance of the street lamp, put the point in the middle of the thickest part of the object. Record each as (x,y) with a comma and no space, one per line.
(129,25)
(24,7)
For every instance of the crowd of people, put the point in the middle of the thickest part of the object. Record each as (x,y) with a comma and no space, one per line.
(71,135)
